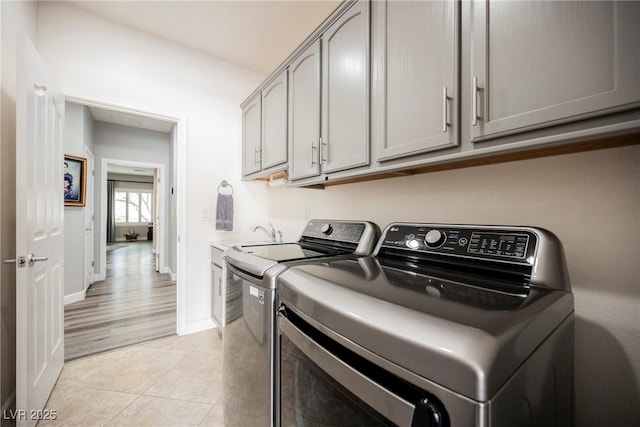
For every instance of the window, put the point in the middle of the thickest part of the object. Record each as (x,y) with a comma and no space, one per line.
(133,207)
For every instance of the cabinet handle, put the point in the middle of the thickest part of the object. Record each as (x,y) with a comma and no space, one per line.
(325,151)
(313,147)
(474,102)
(445,112)
(220,287)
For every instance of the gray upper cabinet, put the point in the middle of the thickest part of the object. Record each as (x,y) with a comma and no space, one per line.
(387,87)
(415,85)
(264,130)
(274,122)
(304,113)
(345,91)
(251,136)
(539,63)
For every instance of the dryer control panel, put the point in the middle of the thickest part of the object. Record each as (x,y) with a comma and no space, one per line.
(483,242)
(533,251)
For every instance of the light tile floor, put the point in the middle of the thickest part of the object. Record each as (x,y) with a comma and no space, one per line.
(174,381)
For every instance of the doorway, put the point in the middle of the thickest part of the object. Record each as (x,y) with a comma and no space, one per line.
(134,202)
(170,225)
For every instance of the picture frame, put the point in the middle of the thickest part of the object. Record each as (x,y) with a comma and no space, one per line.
(74,180)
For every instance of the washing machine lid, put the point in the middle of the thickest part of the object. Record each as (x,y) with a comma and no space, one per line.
(257,259)
(320,238)
(289,251)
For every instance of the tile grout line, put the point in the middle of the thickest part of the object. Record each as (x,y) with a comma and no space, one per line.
(122,410)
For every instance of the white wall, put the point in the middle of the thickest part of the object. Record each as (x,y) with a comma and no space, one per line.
(15,17)
(590,200)
(92,55)
(78,133)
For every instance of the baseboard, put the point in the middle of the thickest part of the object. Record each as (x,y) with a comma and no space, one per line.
(78,296)
(167,270)
(199,325)
(99,277)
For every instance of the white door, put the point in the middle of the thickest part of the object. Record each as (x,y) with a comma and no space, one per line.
(39,233)
(156,217)
(89,218)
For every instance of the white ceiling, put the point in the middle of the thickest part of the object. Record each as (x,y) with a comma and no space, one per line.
(125,119)
(129,170)
(257,35)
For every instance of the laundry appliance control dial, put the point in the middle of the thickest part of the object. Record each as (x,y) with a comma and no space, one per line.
(434,238)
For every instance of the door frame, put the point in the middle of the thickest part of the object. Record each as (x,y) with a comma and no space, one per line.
(161,212)
(91,202)
(179,159)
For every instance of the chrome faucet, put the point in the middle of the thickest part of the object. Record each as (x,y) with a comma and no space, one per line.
(271,232)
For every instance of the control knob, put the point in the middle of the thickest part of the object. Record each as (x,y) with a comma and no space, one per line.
(327,229)
(434,238)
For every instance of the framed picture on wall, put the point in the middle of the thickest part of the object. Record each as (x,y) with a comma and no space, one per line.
(75,180)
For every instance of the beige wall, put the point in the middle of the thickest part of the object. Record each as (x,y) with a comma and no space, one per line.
(16,17)
(590,200)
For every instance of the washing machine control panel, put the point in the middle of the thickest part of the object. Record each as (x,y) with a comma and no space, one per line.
(516,244)
(335,230)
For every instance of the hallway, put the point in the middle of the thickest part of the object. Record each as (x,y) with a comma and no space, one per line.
(134,304)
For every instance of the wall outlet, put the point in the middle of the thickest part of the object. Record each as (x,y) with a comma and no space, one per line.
(206,215)
(307,213)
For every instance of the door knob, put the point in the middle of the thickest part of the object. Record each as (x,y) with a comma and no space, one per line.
(33,259)
(23,260)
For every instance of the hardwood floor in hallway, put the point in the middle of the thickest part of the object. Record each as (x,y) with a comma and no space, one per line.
(134,304)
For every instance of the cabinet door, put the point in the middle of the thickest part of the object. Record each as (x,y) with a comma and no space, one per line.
(274,122)
(216,294)
(536,63)
(345,82)
(304,114)
(251,137)
(415,81)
